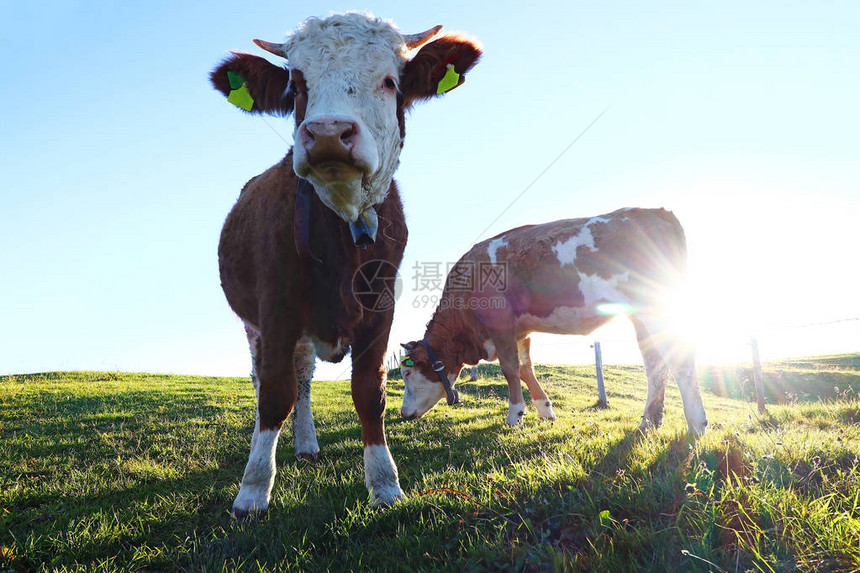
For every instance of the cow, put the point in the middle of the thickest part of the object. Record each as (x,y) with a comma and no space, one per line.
(313,243)
(564,277)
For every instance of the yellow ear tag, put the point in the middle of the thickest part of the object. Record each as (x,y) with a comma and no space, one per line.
(242,98)
(449,81)
(239,94)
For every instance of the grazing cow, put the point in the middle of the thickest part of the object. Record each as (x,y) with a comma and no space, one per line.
(300,259)
(565,277)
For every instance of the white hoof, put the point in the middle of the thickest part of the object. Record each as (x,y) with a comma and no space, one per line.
(380,476)
(386,496)
(251,502)
(697,429)
(259,477)
(515,414)
(306,445)
(544,408)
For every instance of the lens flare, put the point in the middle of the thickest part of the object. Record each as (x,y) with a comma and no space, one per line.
(614,308)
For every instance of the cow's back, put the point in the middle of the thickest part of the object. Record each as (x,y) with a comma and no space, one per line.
(636,253)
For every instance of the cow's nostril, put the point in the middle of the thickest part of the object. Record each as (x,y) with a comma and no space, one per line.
(307,138)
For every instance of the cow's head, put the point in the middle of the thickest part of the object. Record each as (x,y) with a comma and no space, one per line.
(423,388)
(348,81)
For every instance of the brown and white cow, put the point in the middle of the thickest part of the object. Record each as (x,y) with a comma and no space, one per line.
(304,231)
(564,277)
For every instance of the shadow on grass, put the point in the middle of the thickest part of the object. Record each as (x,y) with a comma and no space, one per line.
(604,508)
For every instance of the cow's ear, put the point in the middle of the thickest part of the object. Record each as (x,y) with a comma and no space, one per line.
(254,84)
(438,67)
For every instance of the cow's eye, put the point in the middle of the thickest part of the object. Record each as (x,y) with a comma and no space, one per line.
(388,84)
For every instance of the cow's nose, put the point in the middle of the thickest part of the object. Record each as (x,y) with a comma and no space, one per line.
(407,415)
(329,136)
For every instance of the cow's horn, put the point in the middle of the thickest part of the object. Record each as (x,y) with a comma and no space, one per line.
(413,41)
(277,49)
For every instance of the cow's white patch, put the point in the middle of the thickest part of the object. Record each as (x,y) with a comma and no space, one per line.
(694,410)
(493,248)
(691,395)
(420,394)
(304,431)
(566,250)
(523,352)
(490,349)
(326,351)
(380,476)
(596,289)
(516,413)
(256,488)
(252,333)
(580,319)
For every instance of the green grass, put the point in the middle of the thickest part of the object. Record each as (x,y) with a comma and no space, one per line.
(107,472)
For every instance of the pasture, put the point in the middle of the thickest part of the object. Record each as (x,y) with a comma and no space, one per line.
(105,471)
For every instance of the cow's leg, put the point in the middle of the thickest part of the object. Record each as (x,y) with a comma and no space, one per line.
(657,374)
(276,395)
(368,395)
(254,346)
(506,350)
(304,432)
(665,351)
(527,374)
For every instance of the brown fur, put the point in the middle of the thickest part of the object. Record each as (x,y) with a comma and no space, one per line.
(299,90)
(422,73)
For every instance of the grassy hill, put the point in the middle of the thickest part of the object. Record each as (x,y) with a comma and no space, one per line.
(103,471)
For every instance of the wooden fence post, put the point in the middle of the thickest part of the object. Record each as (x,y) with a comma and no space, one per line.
(598,363)
(759,385)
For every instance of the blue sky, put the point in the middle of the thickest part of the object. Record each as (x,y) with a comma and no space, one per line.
(118,164)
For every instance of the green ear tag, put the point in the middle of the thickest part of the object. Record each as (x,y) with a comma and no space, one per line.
(407,361)
(235,80)
(449,81)
(242,98)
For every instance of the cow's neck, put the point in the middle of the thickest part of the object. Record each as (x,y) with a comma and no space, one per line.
(363,230)
(442,331)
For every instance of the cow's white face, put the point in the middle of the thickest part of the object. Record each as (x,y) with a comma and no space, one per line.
(420,393)
(345,71)
(422,387)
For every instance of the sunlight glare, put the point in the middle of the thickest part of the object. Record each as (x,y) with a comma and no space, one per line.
(614,308)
